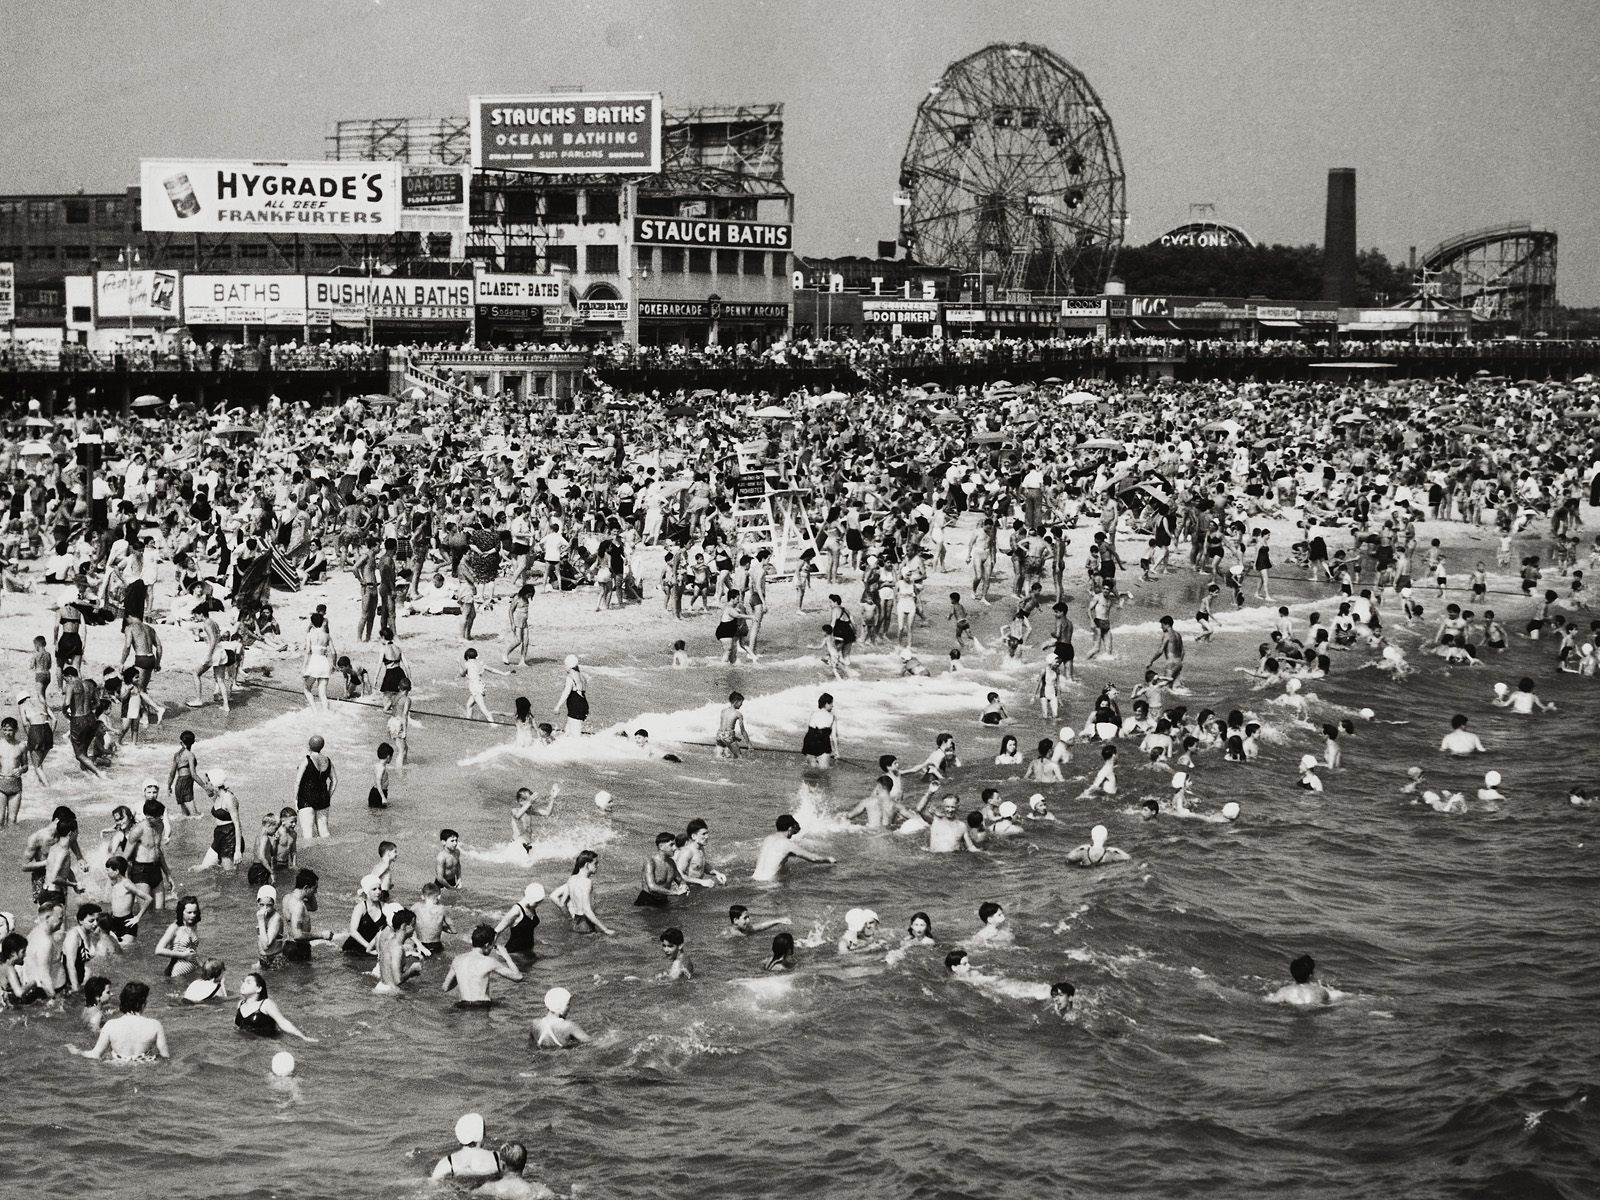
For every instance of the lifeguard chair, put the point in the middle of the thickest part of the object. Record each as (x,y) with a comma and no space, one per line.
(767,512)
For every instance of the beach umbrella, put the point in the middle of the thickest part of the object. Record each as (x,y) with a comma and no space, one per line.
(1471,429)
(815,401)
(1527,383)
(985,439)
(1080,398)
(939,397)
(1447,408)
(1584,379)
(1226,426)
(415,393)
(834,394)
(1001,383)
(1055,379)
(376,401)
(1102,443)
(1356,417)
(1263,444)
(945,418)
(242,432)
(37,423)
(405,439)
(702,394)
(772,412)
(147,401)
(1138,395)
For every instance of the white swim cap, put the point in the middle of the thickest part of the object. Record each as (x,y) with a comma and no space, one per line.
(572,661)
(602,799)
(1500,689)
(1366,714)
(1230,810)
(151,783)
(1393,653)
(558,1000)
(1098,834)
(8,923)
(24,696)
(469,1129)
(533,893)
(1307,761)
(370,883)
(1067,734)
(1180,779)
(216,775)
(1492,778)
(1008,809)
(1405,591)
(857,918)
(1586,649)
(283,1065)
(266,892)
(1292,686)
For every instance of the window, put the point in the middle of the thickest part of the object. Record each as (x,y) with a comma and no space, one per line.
(10,254)
(41,212)
(329,252)
(78,253)
(249,251)
(671,260)
(562,256)
(522,208)
(561,208)
(438,245)
(220,254)
(601,260)
(699,262)
(81,314)
(522,258)
(42,253)
(755,262)
(603,209)
(727,262)
(644,259)
(78,211)
(10,212)
(109,212)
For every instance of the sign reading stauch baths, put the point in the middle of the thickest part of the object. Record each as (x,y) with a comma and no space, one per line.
(690,231)
(192,196)
(567,134)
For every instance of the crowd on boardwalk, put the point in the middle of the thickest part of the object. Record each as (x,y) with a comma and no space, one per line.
(444,510)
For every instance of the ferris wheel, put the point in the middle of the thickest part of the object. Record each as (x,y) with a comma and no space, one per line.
(1012,173)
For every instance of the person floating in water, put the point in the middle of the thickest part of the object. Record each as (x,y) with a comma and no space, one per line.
(1095,852)
(1305,991)
(554,1030)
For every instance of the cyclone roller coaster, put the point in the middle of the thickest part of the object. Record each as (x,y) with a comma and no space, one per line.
(1505,274)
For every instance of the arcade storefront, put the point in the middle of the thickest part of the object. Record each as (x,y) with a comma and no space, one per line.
(711,322)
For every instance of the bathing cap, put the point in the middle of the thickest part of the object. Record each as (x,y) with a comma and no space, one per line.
(572,661)
(533,893)
(1405,591)
(216,775)
(469,1129)
(266,892)
(1066,734)
(24,697)
(1035,800)
(602,799)
(1393,653)
(1180,779)
(557,1000)
(283,1065)
(1230,810)
(856,919)
(1500,689)
(1307,761)
(370,883)
(8,923)
(1292,686)
(1492,778)
(1367,714)
(1098,834)
(151,783)
(1008,809)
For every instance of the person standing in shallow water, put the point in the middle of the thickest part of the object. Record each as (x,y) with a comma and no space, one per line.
(574,698)
(313,789)
(821,743)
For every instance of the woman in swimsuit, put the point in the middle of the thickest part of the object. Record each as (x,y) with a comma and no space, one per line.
(521,922)
(820,745)
(69,640)
(318,663)
(258,1014)
(226,847)
(733,628)
(1264,566)
(574,697)
(394,669)
(180,944)
(366,918)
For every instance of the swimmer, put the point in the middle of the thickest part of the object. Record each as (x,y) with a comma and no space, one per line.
(1044,768)
(992,924)
(472,1161)
(1104,782)
(879,808)
(1006,823)
(576,896)
(1061,996)
(1524,701)
(471,972)
(690,857)
(130,1036)
(731,733)
(513,1160)
(523,812)
(1460,740)
(1305,991)
(1455,802)
(777,848)
(393,968)
(946,832)
(742,924)
(555,1030)
(1413,781)
(920,931)
(782,956)
(679,964)
(860,931)
(1038,809)
(1309,779)
(1490,792)
(1095,852)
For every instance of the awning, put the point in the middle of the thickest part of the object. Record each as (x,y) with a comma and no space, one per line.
(1158,325)
(1376,326)
(1281,324)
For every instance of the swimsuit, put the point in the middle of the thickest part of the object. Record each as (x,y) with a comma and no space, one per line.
(256,1021)
(367,927)
(818,741)
(225,837)
(313,791)
(519,938)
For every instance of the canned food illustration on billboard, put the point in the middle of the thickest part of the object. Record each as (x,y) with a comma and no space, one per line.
(181,192)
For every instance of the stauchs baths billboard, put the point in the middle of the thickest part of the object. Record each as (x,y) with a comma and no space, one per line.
(567,134)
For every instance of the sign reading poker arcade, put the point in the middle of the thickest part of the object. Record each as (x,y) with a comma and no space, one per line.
(567,134)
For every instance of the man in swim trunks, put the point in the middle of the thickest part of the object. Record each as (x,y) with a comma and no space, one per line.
(13,763)
(661,879)
(298,905)
(393,969)
(1460,740)
(1171,651)
(470,972)
(147,859)
(139,641)
(82,708)
(731,733)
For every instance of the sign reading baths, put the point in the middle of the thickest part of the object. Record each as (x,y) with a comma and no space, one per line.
(688,231)
(391,299)
(266,197)
(567,135)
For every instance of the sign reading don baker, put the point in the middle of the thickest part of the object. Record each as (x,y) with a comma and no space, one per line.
(567,135)
(263,197)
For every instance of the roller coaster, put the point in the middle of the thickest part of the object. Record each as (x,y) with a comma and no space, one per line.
(1505,274)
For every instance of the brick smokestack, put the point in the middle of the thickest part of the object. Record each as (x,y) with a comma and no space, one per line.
(1339,238)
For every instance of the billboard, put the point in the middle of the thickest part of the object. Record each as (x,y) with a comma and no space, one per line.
(191,196)
(244,300)
(433,199)
(898,312)
(521,291)
(567,135)
(679,231)
(8,292)
(344,298)
(151,295)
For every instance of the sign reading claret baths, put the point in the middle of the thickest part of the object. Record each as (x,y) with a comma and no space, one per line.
(264,197)
(567,134)
(689,231)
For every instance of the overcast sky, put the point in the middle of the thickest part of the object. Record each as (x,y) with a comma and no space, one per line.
(1455,113)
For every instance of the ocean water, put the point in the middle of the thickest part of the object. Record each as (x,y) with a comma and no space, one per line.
(1463,1061)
